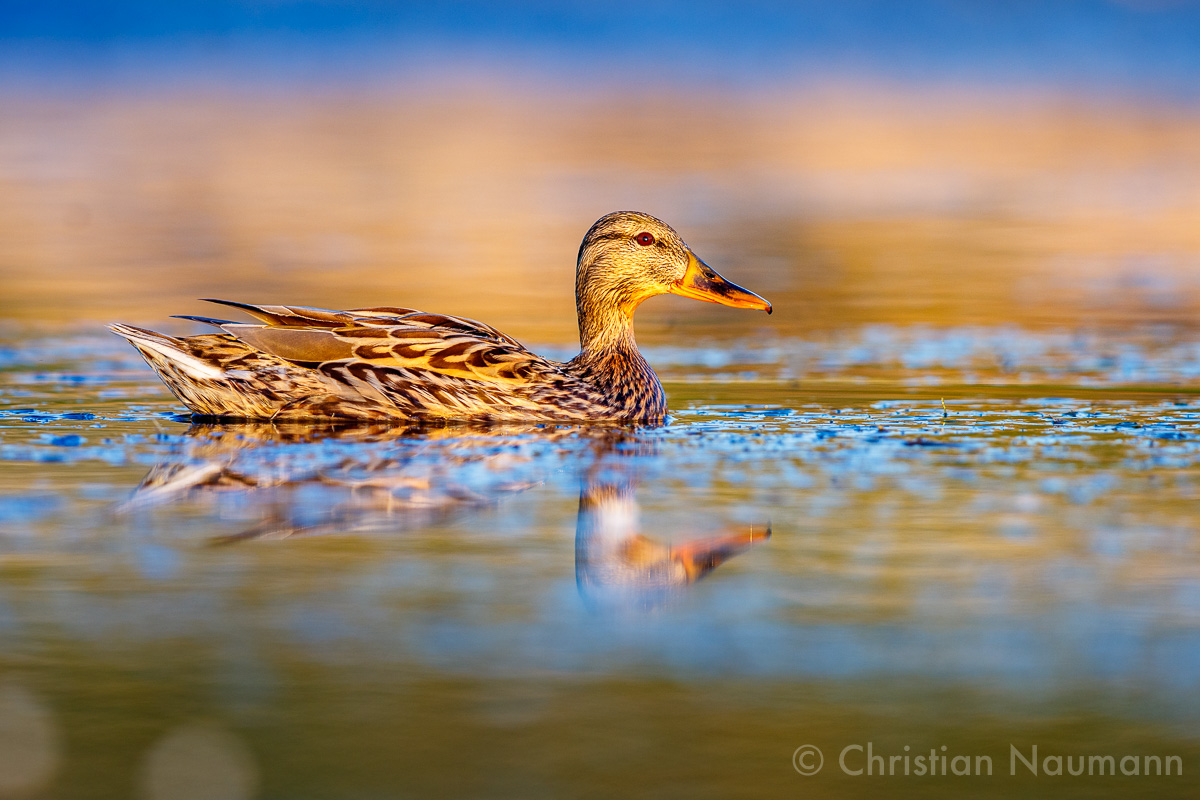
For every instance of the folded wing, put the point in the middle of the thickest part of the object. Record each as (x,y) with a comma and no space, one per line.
(441,365)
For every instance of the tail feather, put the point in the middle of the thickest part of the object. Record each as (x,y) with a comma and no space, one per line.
(217,375)
(156,346)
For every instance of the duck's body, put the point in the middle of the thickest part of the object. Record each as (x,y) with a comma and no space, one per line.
(403,364)
(390,363)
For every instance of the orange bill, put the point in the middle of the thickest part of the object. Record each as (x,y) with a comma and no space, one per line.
(701,556)
(701,282)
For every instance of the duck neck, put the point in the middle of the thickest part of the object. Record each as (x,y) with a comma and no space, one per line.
(606,338)
(609,359)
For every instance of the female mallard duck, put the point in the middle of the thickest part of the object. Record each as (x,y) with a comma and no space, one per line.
(403,364)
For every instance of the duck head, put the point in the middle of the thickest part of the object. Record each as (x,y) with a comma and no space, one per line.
(628,257)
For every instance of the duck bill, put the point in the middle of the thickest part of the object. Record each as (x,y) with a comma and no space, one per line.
(702,282)
(702,556)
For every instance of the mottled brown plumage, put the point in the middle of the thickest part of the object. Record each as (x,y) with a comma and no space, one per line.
(404,364)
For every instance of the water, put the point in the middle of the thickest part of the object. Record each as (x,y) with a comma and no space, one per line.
(979,537)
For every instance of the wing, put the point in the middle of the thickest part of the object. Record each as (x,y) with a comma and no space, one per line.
(419,365)
(414,348)
(437,364)
(305,317)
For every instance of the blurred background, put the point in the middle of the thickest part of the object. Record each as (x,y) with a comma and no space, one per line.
(972,418)
(929,161)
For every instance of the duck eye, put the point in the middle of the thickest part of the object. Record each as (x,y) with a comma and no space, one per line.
(644,239)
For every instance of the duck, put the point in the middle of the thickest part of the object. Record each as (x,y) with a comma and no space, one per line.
(405,365)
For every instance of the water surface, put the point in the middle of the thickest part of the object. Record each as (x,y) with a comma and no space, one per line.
(979,537)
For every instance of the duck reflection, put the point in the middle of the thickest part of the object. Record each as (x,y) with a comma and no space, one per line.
(617,566)
(308,480)
(361,479)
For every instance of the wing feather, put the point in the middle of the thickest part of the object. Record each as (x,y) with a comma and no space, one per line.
(303,345)
(408,346)
(421,319)
(383,316)
(296,316)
